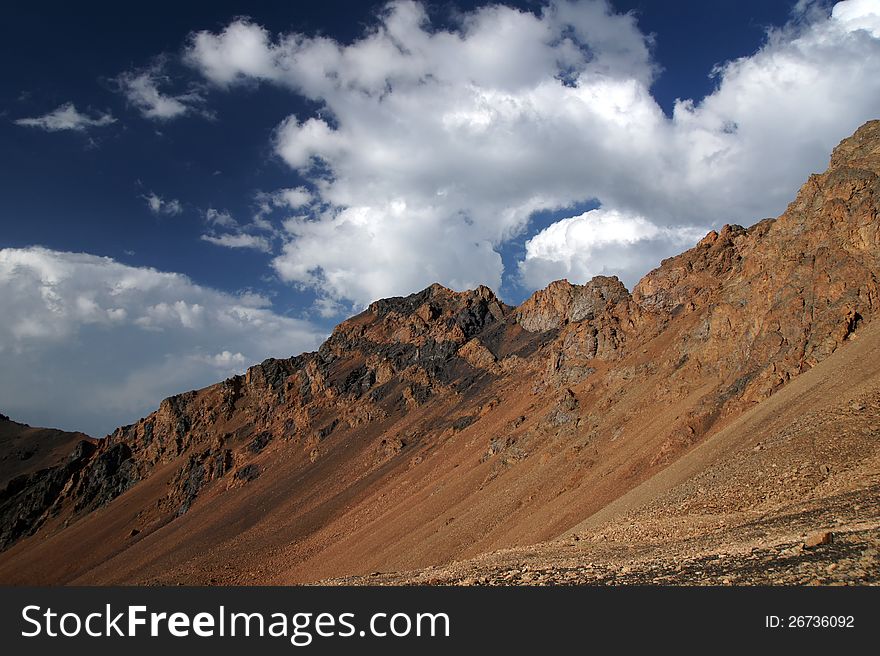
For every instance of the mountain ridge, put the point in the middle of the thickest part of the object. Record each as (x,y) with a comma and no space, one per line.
(596,385)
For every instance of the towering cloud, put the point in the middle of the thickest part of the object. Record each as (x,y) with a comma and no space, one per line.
(435,146)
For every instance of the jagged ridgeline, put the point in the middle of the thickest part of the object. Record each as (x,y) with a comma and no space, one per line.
(444,424)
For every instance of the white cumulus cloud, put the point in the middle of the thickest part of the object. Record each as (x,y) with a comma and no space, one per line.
(90,343)
(434,146)
(601,242)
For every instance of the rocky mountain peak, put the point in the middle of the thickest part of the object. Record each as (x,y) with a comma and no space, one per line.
(434,315)
(862,149)
(435,295)
(562,302)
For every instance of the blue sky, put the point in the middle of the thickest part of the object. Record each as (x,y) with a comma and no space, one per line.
(189,189)
(84,191)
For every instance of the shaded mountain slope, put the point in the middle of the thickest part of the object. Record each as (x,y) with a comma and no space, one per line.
(446,424)
(25,449)
(35,463)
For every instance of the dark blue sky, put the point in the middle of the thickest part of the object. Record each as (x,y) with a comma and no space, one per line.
(83,192)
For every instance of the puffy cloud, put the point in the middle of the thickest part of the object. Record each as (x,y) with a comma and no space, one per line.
(141,89)
(776,115)
(91,343)
(240,240)
(361,252)
(858,15)
(236,54)
(159,205)
(66,117)
(601,242)
(434,147)
(225,359)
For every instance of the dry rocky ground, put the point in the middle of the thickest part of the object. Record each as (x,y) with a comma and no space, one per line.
(772,551)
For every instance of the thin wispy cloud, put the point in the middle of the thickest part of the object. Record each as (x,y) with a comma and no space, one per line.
(66,117)
(220,218)
(160,206)
(288,199)
(225,231)
(142,88)
(240,240)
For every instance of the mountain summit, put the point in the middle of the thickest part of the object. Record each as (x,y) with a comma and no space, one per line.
(444,425)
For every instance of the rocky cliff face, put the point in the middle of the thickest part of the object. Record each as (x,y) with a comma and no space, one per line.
(583,389)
